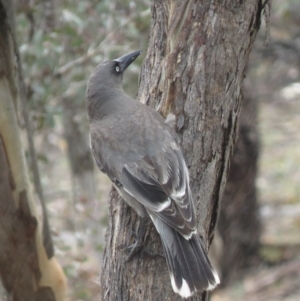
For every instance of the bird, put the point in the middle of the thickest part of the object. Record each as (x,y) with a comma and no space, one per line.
(139,152)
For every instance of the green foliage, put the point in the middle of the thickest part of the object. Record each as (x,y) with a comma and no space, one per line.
(112,28)
(91,31)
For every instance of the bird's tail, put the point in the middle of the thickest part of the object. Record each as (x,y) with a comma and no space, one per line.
(189,267)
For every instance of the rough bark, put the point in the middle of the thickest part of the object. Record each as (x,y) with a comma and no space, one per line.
(239,224)
(194,68)
(28,268)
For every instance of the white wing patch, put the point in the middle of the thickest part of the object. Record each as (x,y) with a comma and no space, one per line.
(164,205)
(211,286)
(190,235)
(184,291)
(179,193)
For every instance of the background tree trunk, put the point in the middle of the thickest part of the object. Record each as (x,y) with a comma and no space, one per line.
(79,153)
(194,68)
(78,150)
(28,268)
(239,224)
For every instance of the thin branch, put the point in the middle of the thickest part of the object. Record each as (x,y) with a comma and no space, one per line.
(253,285)
(81,60)
(70,92)
(267,13)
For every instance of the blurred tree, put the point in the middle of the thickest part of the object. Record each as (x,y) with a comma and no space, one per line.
(194,68)
(28,268)
(78,150)
(49,15)
(239,223)
(79,153)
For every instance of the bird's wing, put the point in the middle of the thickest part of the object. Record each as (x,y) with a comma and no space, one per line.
(161,184)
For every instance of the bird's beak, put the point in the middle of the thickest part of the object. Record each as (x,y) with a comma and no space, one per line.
(127,59)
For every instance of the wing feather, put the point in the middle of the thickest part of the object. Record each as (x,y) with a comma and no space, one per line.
(161,184)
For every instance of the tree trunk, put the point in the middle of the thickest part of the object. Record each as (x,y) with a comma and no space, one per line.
(28,268)
(194,68)
(239,224)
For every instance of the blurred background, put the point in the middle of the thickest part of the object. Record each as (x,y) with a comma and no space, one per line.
(257,242)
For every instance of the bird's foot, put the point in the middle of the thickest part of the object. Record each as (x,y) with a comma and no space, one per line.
(134,249)
(152,254)
(139,245)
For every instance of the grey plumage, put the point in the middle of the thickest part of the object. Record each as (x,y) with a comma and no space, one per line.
(138,151)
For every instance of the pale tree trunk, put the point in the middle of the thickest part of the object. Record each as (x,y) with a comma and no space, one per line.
(194,68)
(239,224)
(28,268)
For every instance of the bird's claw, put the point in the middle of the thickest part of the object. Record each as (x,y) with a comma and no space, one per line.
(139,246)
(133,250)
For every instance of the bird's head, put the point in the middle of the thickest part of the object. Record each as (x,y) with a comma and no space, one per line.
(109,74)
(105,85)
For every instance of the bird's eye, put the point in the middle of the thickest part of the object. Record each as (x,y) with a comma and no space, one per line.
(117,68)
